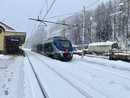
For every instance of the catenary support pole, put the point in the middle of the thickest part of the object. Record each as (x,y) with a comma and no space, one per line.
(83,32)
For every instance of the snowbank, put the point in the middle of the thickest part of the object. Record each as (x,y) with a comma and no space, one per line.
(4,56)
(107,43)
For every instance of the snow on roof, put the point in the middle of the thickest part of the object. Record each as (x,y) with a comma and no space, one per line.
(74,45)
(107,43)
(3,26)
(6,27)
(13,31)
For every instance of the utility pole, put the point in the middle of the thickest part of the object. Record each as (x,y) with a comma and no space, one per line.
(83,32)
(90,29)
(64,29)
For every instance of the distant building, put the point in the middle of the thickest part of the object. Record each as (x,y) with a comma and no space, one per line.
(6,33)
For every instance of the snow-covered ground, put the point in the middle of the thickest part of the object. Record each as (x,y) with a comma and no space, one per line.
(11,77)
(89,77)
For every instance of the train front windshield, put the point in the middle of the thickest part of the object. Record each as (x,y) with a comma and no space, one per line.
(66,44)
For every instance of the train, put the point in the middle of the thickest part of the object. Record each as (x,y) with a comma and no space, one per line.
(57,47)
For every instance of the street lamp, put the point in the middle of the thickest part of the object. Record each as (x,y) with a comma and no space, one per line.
(90,28)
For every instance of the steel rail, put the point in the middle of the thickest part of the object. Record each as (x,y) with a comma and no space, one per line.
(38,80)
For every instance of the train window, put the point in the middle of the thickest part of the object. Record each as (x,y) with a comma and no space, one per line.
(45,47)
(48,47)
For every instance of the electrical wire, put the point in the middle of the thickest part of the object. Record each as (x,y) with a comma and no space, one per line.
(64,14)
(73,12)
(44,15)
(42,7)
(34,27)
(48,10)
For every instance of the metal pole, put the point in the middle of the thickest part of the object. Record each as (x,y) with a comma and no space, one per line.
(90,29)
(64,30)
(83,32)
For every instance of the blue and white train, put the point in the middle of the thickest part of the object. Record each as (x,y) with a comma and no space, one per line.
(57,47)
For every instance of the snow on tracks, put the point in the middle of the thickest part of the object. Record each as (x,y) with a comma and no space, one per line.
(72,87)
(105,80)
(54,86)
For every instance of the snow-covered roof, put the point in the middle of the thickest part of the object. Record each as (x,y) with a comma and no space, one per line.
(74,45)
(13,31)
(107,43)
(2,26)
(6,27)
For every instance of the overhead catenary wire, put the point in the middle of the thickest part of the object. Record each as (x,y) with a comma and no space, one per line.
(64,14)
(48,10)
(73,13)
(46,1)
(71,16)
(34,27)
(31,38)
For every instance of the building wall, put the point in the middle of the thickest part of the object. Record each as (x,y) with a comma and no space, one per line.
(1,39)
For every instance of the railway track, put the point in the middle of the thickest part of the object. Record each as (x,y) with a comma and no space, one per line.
(83,86)
(115,75)
(77,84)
(96,56)
(44,94)
(41,86)
(110,65)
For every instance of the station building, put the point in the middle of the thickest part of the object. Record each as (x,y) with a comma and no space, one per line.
(7,34)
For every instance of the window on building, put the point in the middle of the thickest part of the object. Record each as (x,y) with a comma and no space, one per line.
(0,31)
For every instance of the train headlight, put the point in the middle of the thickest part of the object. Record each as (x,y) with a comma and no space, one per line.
(61,53)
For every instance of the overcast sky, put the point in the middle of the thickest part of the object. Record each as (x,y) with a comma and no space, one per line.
(15,13)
